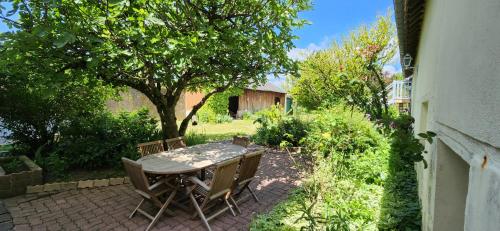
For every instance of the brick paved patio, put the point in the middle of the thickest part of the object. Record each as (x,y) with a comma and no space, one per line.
(108,208)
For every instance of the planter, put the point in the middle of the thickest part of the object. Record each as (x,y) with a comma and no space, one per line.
(15,183)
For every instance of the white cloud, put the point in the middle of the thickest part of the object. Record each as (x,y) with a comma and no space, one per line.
(302,53)
(389,70)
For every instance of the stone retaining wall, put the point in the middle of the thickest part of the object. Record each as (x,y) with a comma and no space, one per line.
(64,186)
(16,183)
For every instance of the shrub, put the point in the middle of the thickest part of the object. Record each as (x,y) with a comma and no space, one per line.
(248,116)
(195,138)
(103,140)
(277,130)
(287,131)
(13,165)
(206,115)
(344,190)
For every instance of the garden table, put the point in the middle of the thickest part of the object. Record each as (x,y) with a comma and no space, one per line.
(190,159)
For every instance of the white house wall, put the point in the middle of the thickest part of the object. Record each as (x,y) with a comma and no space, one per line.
(458,76)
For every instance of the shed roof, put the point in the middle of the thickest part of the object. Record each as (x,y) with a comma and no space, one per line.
(267,87)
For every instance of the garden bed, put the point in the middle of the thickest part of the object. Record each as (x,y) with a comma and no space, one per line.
(27,173)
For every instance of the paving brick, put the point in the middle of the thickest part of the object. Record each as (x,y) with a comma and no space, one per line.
(108,208)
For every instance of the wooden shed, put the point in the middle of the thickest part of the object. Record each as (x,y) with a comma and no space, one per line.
(256,99)
(251,100)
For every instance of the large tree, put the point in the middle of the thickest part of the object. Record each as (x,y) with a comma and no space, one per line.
(164,47)
(349,71)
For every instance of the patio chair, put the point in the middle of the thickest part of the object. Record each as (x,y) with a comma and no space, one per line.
(218,188)
(175,143)
(152,193)
(150,147)
(248,167)
(241,140)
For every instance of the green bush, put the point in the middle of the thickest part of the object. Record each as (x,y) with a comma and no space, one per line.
(345,188)
(400,207)
(276,129)
(102,141)
(248,116)
(13,165)
(206,115)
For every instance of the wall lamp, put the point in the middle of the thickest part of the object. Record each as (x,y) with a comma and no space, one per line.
(407,62)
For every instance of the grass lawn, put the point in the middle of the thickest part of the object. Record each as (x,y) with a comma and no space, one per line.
(241,127)
(203,133)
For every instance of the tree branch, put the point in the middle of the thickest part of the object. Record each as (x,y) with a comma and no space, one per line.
(185,121)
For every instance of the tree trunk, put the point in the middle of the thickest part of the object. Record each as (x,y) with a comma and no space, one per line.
(168,121)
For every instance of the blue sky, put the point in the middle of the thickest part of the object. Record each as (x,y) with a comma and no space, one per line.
(332,19)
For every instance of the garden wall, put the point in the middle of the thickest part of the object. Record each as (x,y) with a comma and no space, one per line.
(16,183)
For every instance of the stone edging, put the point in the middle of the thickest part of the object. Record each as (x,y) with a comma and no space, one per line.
(64,186)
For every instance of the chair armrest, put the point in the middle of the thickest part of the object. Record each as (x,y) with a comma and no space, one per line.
(199,182)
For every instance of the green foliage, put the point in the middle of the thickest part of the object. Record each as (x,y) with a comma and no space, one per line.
(401,208)
(103,140)
(171,45)
(344,190)
(219,102)
(248,116)
(349,71)
(54,163)
(34,109)
(275,129)
(206,115)
(13,165)
(223,119)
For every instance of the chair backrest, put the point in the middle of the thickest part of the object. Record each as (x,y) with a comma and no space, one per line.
(248,166)
(175,143)
(136,175)
(241,140)
(150,147)
(223,178)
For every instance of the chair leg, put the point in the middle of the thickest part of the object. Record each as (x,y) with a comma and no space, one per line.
(253,194)
(230,207)
(162,209)
(200,212)
(136,208)
(235,205)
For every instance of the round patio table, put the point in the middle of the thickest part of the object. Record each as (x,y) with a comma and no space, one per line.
(190,159)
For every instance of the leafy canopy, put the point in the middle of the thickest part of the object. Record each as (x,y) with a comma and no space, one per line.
(350,71)
(163,48)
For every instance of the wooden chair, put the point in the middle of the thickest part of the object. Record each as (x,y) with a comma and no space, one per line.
(248,167)
(219,188)
(175,143)
(149,192)
(241,140)
(150,147)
